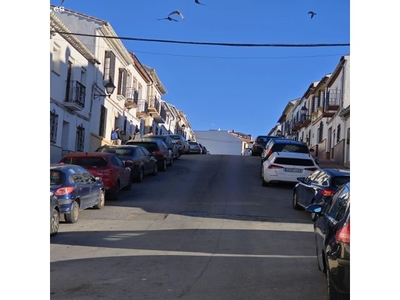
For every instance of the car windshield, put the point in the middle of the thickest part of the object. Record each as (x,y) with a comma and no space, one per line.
(340,180)
(87,162)
(56,177)
(294,161)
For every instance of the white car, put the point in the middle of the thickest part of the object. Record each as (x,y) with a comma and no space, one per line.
(286,167)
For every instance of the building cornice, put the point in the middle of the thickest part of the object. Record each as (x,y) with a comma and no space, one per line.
(58,26)
(141,70)
(337,71)
(116,44)
(157,82)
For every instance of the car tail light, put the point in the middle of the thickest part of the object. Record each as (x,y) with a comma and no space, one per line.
(269,153)
(64,191)
(343,234)
(310,169)
(274,167)
(158,153)
(327,192)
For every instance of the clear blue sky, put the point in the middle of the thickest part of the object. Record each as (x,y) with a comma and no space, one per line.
(240,88)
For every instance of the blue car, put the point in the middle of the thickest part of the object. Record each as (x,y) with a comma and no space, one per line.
(76,189)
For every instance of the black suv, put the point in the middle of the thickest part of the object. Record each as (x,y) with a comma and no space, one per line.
(259,144)
(284,145)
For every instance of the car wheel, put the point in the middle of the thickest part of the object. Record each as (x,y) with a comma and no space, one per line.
(114,193)
(102,200)
(295,202)
(54,222)
(140,176)
(129,186)
(73,216)
(155,170)
(333,294)
(164,165)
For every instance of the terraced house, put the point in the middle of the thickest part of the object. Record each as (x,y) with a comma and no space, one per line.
(321,117)
(96,84)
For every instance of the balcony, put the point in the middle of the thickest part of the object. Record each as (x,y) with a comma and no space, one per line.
(132,98)
(305,120)
(297,125)
(154,107)
(161,117)
(332,102)
(142,109)
(75,96)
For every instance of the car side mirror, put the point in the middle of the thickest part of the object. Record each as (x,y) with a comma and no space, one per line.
(128,164)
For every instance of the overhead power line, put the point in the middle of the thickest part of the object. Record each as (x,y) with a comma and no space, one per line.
(206,43)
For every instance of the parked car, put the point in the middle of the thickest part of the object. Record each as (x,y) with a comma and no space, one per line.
(115,174)
(76,189)
(204,149)
(142,161)
(54,214)
(175,148)
(195,148)
(182,143)
(287,167)
(318,187)
(259,144)
(159,149)
(284,145)
(332,237)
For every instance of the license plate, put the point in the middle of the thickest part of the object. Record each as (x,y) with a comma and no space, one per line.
(293,170)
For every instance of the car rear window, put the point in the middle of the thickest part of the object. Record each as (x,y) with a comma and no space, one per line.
(56,177)
(294,161)
(86,162)
(290,148)
(340,180)
(149,146)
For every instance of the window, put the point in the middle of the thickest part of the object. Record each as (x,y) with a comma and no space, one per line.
(53,126)
(109,66)
(140,91)
(56,58)
(116,161)
(83,76)
(80,138)
(293,161)
(320,132)
(338,134)
(103,118)
(122,77)
(338,204)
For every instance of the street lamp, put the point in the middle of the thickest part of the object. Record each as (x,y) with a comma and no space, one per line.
(110,87)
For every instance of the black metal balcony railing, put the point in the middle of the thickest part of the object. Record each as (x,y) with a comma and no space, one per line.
(156,104)
(143,106)
(332,100)
(76,94)
(132,95)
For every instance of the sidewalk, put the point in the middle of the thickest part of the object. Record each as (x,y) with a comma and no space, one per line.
(326,163)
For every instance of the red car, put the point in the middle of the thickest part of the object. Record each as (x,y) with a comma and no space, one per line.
(115,174)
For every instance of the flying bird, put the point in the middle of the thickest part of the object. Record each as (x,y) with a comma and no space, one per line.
(178,13)
(198,2)
(312,13)
(168,18)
